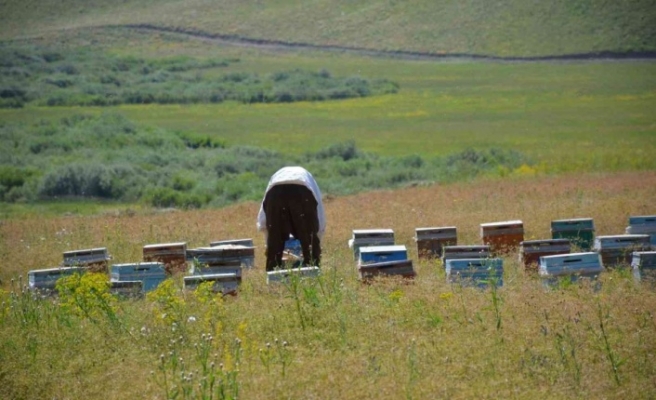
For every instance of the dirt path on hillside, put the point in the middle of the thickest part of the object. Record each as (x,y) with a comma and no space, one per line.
(278,45)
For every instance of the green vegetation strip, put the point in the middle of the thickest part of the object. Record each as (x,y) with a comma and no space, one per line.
(110,157)
(49,76)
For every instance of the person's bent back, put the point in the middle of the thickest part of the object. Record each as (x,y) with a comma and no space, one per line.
(292,205)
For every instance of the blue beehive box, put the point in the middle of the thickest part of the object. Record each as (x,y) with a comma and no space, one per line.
(370,237)
(465,251)
(480,272)
(618,249)
(643,224)
(402,268)
(377,254)
(569,266)
(226,283)
(150,273)
(45,280)
(293,246)
(580,231)
(284,275)
(643,264)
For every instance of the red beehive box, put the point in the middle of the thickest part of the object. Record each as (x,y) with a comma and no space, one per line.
(172,255)
(502,236)
(530,251)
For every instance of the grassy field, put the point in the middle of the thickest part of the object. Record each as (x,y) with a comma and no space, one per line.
(512,27)
(336,337)
(588,129)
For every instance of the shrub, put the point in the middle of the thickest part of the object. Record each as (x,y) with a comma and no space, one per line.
(84,180)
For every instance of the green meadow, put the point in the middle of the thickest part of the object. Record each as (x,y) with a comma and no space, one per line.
(571,116)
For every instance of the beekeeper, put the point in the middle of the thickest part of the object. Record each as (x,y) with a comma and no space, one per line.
(292,205)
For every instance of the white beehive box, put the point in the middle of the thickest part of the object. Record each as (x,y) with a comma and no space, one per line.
(571,266)
(284,275)
(370,237)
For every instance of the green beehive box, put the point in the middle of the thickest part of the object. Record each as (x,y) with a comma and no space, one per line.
(579,231)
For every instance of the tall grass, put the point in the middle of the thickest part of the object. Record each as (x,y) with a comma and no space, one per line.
(388,339)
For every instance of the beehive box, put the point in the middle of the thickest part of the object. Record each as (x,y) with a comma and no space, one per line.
(580,232)
(467,251)
(284,275)
(530,251)
(217,256)
(225,283)
(643,225)
(172,255)
(45,280)
(479,272)
(222,267)
(245,255)
(131,289)
(643,264)
(402,268)
(293,246)
(370,237)
(150,273)
(503,236)
(617,250)
(430,241)
(238,242)
(571,266)
(374,254)
(93,259)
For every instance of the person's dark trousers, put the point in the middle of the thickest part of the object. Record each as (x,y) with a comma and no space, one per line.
(291,209)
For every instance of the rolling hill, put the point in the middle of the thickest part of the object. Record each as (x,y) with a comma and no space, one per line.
(505,28)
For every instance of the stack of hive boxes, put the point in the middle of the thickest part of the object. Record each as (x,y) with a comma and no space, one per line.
(502,237)
(74,262)
(580,232)
(530,251)
(384,260)
(570,267)
(219,264)
(643,225)
(617,250)
(172,255)
(430,241)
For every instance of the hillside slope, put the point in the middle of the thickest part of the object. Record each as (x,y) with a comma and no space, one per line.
(506,28)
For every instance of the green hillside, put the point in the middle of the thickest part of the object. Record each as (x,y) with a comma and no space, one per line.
(505,28)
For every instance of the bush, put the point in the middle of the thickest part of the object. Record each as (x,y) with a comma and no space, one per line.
(84,180)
